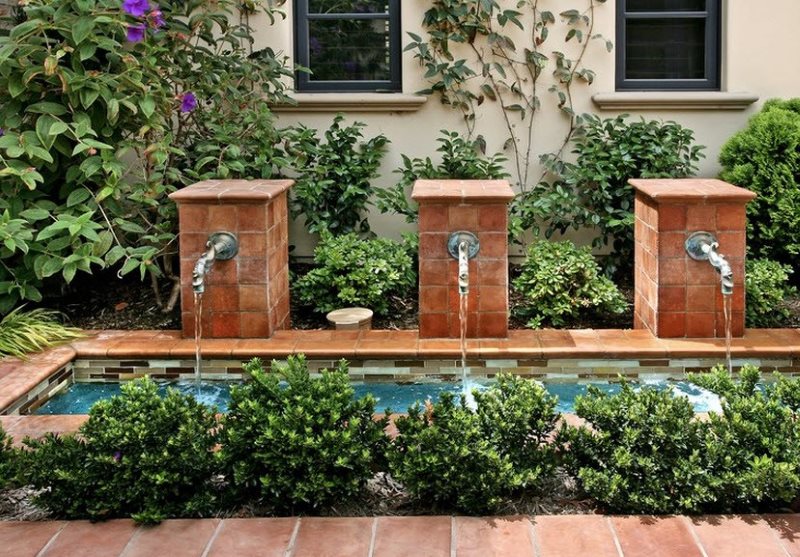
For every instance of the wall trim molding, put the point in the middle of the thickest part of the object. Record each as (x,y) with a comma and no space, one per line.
(352,102)
(674,100)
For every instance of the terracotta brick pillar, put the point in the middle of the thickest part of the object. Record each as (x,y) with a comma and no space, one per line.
(480,207)
(247,296)
(676,296)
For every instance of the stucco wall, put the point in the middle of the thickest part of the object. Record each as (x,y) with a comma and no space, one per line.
(759,46)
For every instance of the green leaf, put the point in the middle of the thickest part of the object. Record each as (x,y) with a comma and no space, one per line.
(47,107)
(78,196)
(148,105)
(82,28)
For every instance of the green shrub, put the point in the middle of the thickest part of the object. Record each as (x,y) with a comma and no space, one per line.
(294,442)
(8,459)
(351,271)
(138,454)
(753,446)
(765,158)
(104,113)
(560,284)
(333,187)
(472,459)
(461,159)
(640,452)
(594,192)
(24,332)
(767,286)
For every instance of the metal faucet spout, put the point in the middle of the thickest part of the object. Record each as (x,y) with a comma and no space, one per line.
(221,246)
(721,265)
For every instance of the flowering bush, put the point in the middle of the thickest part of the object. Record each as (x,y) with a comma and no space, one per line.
(107,107)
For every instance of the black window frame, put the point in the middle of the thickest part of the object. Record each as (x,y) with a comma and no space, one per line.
(713,32)
(304,83)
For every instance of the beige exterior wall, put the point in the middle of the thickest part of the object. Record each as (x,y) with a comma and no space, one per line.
(759,50)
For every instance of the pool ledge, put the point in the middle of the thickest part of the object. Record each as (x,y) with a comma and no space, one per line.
(22,380)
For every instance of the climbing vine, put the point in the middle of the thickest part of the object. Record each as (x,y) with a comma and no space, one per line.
(477,53)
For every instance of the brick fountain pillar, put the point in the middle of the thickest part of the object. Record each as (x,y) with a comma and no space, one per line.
(247,296)
(676,296)
(480,207)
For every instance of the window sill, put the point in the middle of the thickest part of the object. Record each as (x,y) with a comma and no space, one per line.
(354,102)
(673,100)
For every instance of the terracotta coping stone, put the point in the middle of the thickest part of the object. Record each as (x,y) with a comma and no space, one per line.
(673,190)
(231,191)
(472,191)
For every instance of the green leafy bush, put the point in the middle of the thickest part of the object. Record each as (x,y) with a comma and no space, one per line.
(138,454)
(105,111)
(641,451)
(294,442)
(753,446)
(560,284)
(23,332)
(472,459)
(765,158)
(461,159)
(332,187)
(8,459)
(767,286)
(351,271)
(594,192)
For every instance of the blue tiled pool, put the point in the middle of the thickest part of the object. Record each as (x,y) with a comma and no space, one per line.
(79,397)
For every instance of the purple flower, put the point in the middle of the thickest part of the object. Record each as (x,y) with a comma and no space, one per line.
(315,46)
(117,456)
(136,8)
(350,66)
(188,102)
(2,132)
(136,32)
(156,19)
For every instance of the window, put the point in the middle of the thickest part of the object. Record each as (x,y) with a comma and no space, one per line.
(348,46)
(668,44)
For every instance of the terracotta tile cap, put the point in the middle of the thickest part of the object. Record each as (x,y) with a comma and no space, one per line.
(449,191)
(231,191)
(691,189)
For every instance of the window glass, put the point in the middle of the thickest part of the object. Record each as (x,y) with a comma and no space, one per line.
(349,50)
(666,5)
(340,7)
(665,49)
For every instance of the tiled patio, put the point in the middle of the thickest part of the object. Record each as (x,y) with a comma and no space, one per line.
(429,536)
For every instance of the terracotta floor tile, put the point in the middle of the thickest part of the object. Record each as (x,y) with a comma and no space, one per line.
(442,348)
(694,348)
(262,537)
(401,536)
(85,539)
(574,536)
(172,538)
(327,343)
(280,345)
(736,536)
(487,537)
(786,528)
(647,536)
(209,348)
(26,539)
(37,426)
(387,343)
(333,537)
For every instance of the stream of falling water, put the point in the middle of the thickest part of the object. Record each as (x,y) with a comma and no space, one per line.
(726,308)
(463,305)
(198,334)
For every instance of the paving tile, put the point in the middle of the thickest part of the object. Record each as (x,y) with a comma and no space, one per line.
(37,426)
(442,348)
(494,536)
(329,343)
(26,539)
(786,528)
(387,343)
(736,536)
(333,537)
(86,539)
(262,537)
(401,536)
(574,536)
(648,536)
(173,538)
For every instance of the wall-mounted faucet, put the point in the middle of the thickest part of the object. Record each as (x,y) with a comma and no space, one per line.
(703,246)
(463,246)
(221,246)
